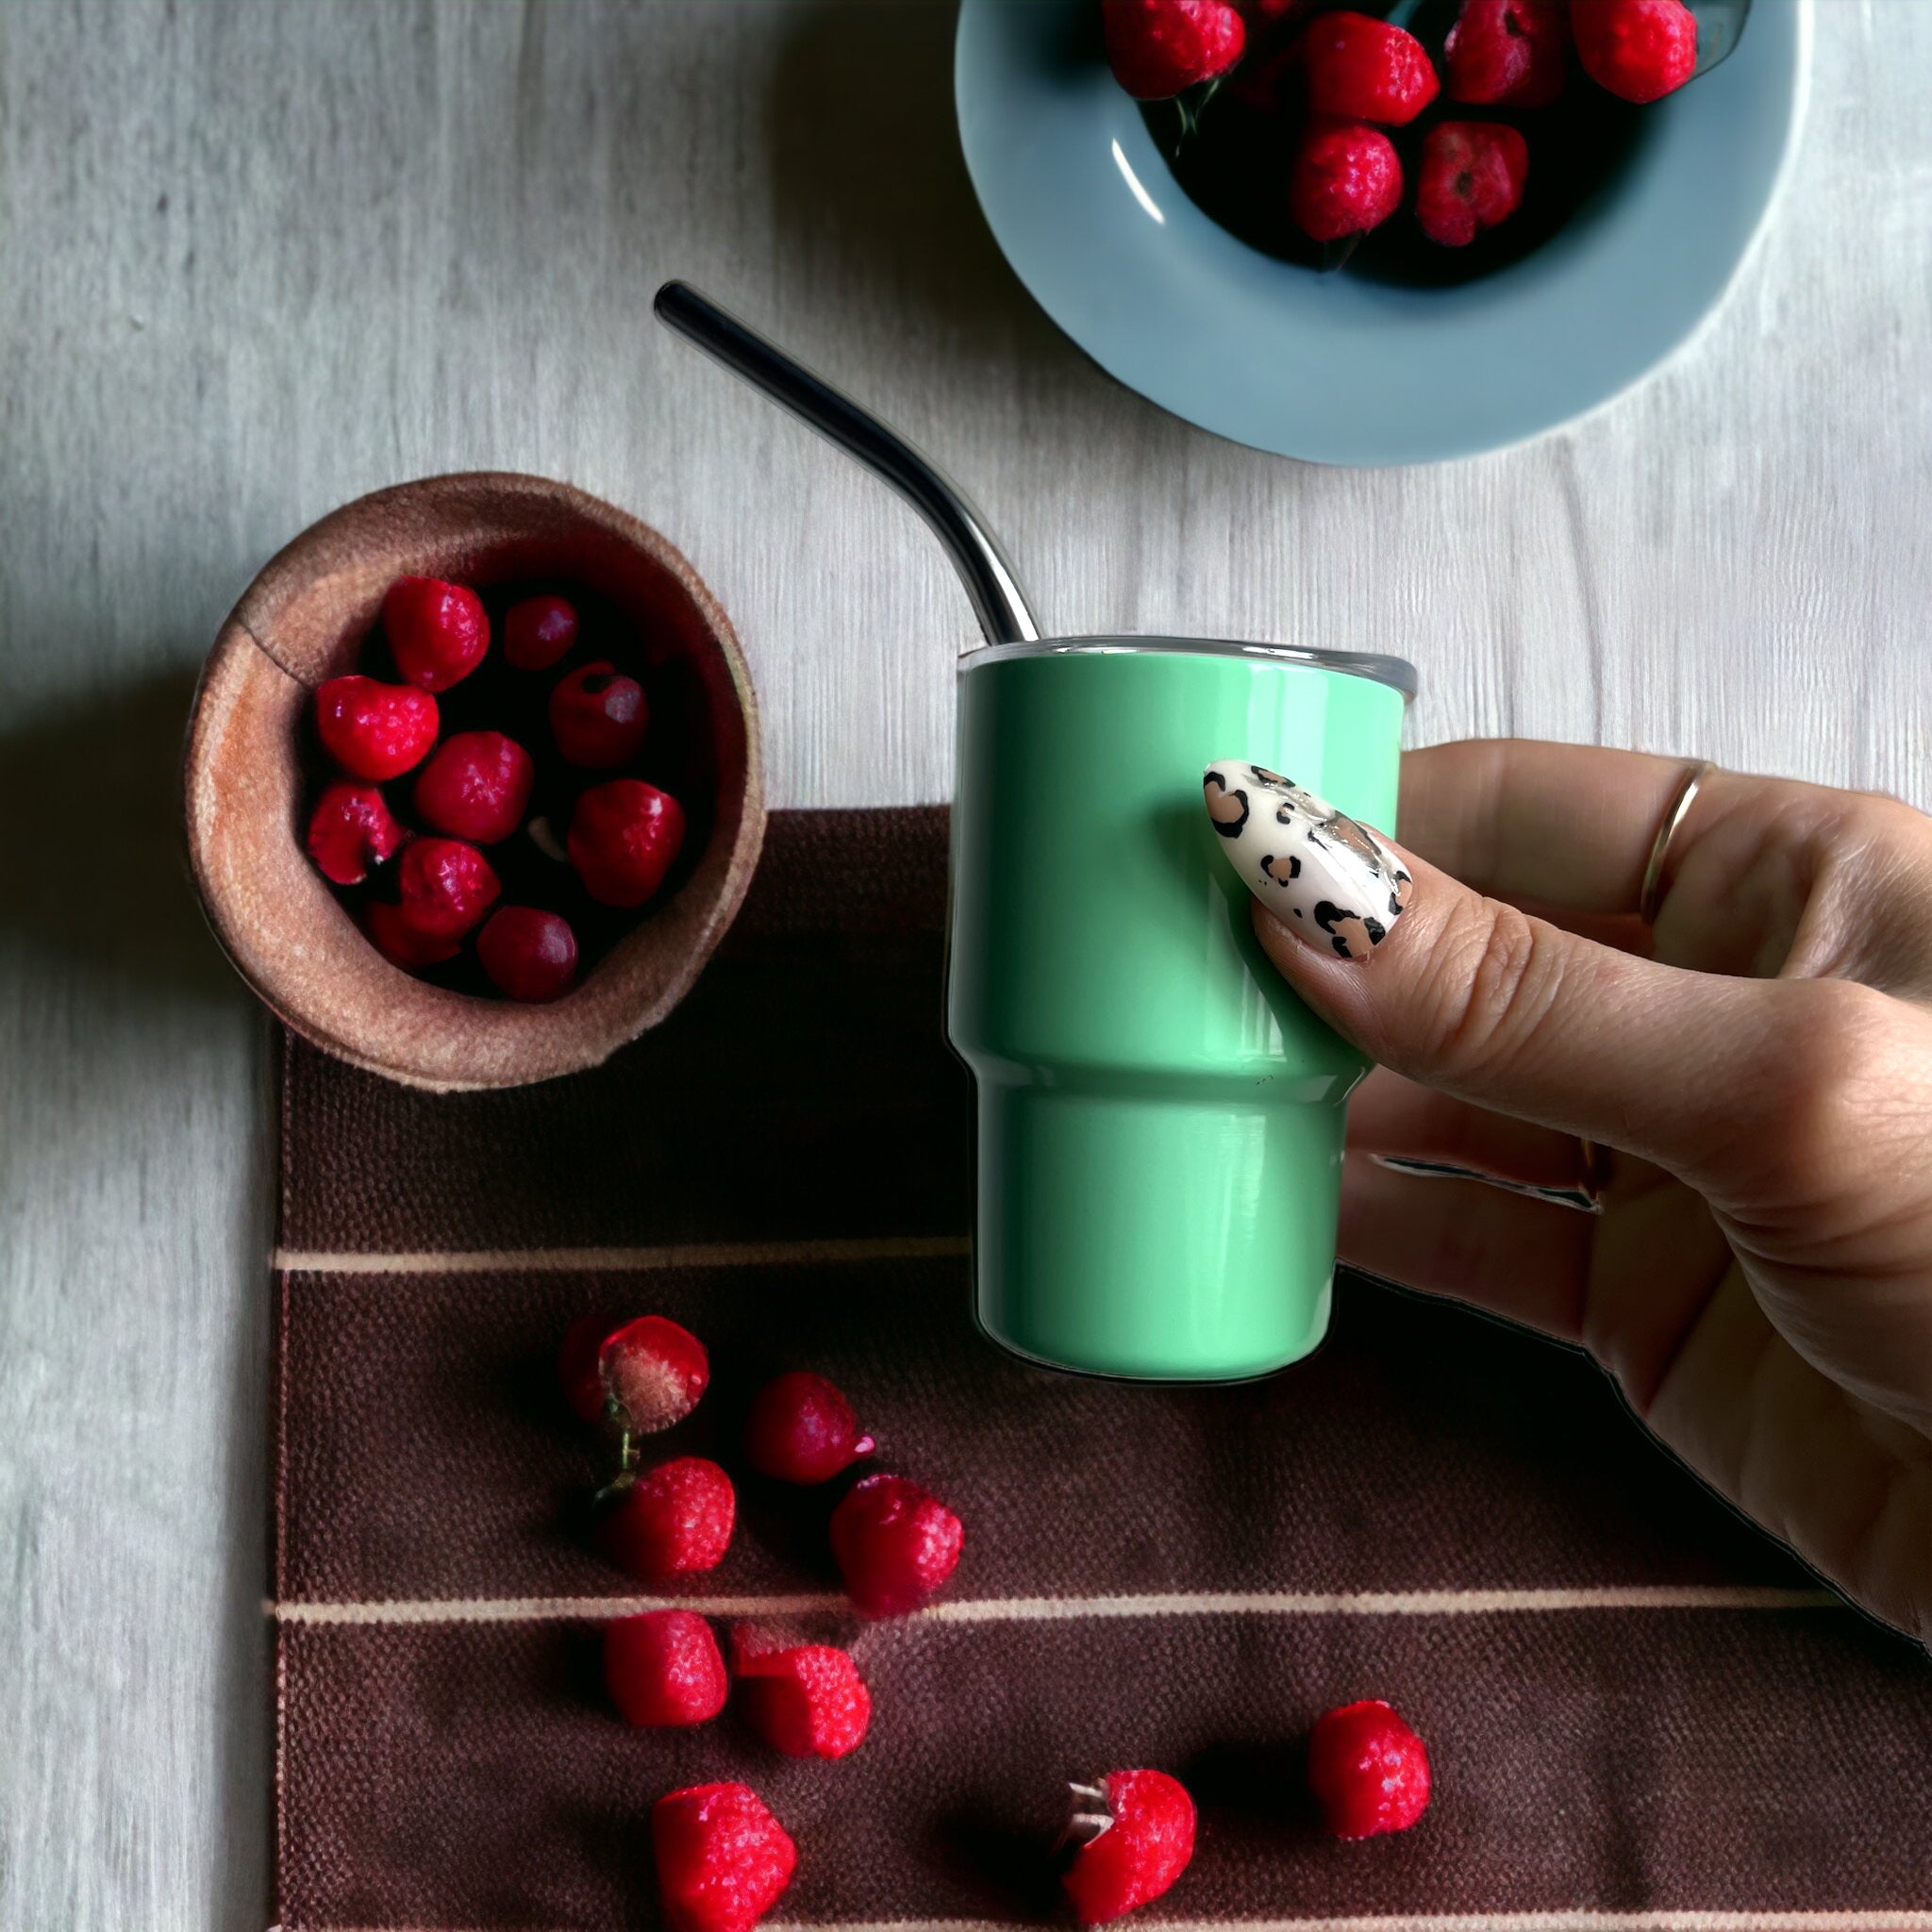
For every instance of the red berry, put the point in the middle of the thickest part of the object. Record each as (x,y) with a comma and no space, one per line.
(671,1520)
(1346,180)
(894,1543)
(597,716)
(400,942)
(1158,47)
(374,730)
(1368,1770)
(529,954)
(437,631)
(645,1375)
(1471,177)
(624,836)
(664,1668)
(1507,53)
(444,886)
(475,787)
(538,631)
(808,1702)
(801,1429)
(351,829)
(1137,1833)
(722,1859)
(1641,50)
(1361,69)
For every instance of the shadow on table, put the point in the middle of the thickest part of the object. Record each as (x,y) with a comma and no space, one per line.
(866,163)
(94,875)
(94,866)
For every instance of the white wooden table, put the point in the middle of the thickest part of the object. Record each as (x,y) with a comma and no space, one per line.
(257,259)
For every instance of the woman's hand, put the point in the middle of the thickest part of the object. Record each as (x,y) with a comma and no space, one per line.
(1759,1281)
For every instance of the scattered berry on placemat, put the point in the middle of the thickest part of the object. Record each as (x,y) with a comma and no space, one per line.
(722,1859)
(643,1375)
(1369,1772)
(671,1520)
(895,1544)
(1134,1834)
(801,1429)
(807,1701)
(663,1669)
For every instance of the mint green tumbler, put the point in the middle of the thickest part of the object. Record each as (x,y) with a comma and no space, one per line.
(1159,1119)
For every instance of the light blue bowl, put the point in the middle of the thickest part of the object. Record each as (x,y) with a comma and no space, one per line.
(1337,368)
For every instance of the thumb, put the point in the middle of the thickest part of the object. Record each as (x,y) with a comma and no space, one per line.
(1479,1000)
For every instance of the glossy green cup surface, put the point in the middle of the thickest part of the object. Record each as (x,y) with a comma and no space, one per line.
(1159,1119)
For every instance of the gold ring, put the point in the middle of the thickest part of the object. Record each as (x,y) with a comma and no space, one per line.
(1651,896)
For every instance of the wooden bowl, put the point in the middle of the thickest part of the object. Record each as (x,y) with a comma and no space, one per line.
(304,618)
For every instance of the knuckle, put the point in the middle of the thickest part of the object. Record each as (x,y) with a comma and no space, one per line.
(1498,992)
(1833,1068)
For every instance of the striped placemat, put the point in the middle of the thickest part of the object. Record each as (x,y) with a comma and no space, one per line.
(1641,1714)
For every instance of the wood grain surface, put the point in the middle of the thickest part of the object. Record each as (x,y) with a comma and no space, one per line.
(256,259)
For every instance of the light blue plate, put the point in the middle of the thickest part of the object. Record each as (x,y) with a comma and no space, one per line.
(1339,369)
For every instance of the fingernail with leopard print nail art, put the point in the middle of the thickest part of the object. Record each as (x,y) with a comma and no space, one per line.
(1330,881)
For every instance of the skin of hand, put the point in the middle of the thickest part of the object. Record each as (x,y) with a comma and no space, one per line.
(1759,1280)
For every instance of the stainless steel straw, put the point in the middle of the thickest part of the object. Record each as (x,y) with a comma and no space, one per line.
(997,598)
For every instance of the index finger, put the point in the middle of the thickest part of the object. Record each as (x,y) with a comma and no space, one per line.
(1514,818)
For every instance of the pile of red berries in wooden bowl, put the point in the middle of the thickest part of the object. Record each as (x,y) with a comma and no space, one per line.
(474,781)
(1449,136)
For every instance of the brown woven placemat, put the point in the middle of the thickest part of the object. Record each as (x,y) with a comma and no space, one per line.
(1634,1704)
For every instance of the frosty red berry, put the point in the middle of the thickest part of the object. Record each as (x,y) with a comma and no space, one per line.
(1471,177)
(1346,180)
(351,831)
(1160,47)
(671,1520)
(437,631)
(539,631)
(722,1859)
(537,756)
(801,1429)
(444,887)
(1507,53)
(1369,1772)
(529,954)
(808,1701)
(894,1543)
(476,785)
(1639,50)
(1134,1834)
(1361,69)
(374,730)
(598,717)
(624,836)
(1291,137)
(400,942)
(664,1668)
(645,1374)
